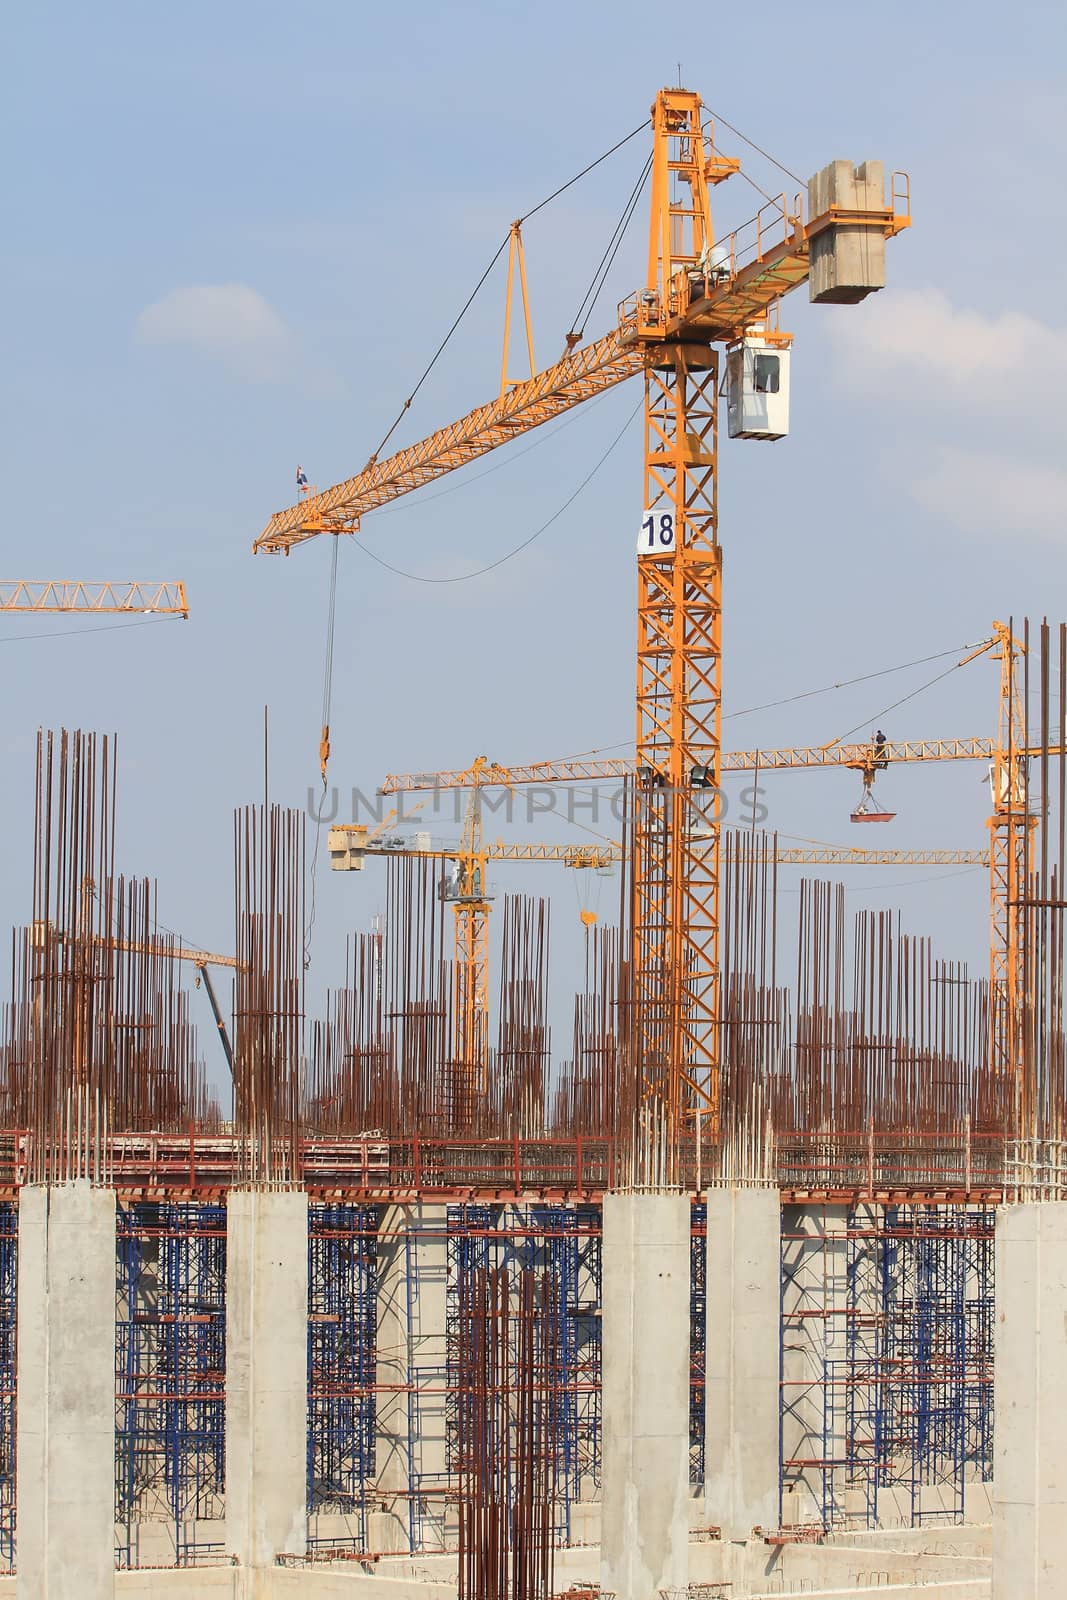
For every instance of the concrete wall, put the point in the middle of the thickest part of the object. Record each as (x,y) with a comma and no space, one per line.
(742,1394)
(645,1394)
(1030,1424)
(266,1376)
(66,1394)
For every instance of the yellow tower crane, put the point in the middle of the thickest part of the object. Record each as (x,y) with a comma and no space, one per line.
(468,893)
(1011,822)
(700,292)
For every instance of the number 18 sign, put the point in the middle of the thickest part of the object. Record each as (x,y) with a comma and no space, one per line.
(657,534)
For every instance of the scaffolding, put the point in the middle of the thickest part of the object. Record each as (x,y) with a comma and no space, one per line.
(698,1306)
(937,1357)
(564,1243)
(170,1371)
(342,1315)
(588,1360)
(887,1363)
(431,1479)
(8,1335)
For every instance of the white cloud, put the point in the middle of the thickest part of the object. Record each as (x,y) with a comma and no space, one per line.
(230,321)
(991,381)
(986,493)
(921,333)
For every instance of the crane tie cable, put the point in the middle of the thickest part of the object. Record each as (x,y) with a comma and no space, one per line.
(788,700)
(754,146)
(592,294)
(471,297)
(878,715)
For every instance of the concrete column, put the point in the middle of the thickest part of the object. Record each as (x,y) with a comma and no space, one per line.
(1030,1384)
(266,1377)
(645,1519)
(66,1394)
(741,1452)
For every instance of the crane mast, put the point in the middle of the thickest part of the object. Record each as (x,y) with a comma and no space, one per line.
(470,906)
(1011,833)
(675,867)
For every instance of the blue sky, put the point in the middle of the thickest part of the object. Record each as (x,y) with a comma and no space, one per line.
(234,236)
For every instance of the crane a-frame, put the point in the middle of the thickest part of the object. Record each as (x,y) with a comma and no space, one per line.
(699,292)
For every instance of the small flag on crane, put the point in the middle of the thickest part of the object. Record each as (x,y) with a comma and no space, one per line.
(301,480)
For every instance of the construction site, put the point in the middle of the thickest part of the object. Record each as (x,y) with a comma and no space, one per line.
(756,1286)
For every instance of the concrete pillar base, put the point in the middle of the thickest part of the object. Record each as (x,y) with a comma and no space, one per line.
(645,1518)
(65,1444)
(1030,1384)
(742,1344)
(266,1376)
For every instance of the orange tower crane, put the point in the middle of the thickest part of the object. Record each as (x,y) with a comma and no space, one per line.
(699,292)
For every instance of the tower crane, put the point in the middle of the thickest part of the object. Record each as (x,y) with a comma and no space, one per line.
(700,292)
(1011,822)
(467,891)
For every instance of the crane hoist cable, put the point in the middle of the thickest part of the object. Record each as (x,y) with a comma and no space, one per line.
(324,744)
(327,671)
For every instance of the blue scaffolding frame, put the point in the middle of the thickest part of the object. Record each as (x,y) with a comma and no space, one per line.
(170,1371)
(587,1324)
(937,1355)
(907,1392)
(8,1375)
(342,1336)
